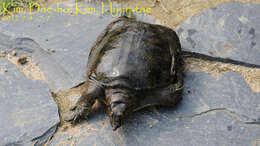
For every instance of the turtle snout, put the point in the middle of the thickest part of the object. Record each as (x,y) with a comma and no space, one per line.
(120,101)
(116,115)
(116,122)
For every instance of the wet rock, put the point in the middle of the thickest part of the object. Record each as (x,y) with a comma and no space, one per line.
(27,110)
(70,36)
(231,30)
(214,111)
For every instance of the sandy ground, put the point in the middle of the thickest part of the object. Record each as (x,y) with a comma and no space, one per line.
(173,12)
(216,69)
(29,68)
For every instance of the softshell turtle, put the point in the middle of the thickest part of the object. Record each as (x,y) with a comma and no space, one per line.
(132,65)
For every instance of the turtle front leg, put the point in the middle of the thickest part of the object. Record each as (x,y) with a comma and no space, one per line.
(88,97)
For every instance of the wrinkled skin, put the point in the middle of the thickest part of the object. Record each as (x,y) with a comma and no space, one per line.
(131,66)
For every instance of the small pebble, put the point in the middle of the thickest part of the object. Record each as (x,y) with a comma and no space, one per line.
(3,69)
(51,50)
(13,53)
(22,60)
(2,53)
(70,138)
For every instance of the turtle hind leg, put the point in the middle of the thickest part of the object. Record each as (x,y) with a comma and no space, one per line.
(167,96)
(88,97)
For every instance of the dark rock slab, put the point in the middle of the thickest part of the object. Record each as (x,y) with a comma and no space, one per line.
(231,30)
(214,111)
(65,40)
(214,129)
(27,109)
(205,92)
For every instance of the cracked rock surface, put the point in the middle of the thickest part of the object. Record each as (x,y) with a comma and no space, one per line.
(204,92)
(27,109)
(228,31)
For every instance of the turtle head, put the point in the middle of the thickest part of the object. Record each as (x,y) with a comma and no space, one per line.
(120,103)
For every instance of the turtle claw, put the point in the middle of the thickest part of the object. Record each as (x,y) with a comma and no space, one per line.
(76,113)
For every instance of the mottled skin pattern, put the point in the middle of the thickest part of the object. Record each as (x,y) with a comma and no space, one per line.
(131,66)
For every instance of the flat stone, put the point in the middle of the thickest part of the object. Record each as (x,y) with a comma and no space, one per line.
(230,91)
(27,109)
(214,129)
(214,111)
(231,30)
(69,37)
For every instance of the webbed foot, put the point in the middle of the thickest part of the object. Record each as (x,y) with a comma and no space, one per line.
(84,105)
(77,112)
